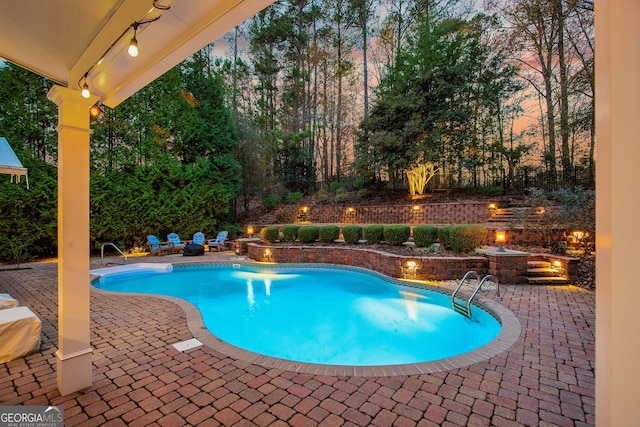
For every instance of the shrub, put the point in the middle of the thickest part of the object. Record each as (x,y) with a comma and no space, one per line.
(352,233)
(362,193)
(335,186)
(329,233)
(270,234)
(342,195)
(293,198)
(396,235)
(359,183)
(271,201)
(491,191)
(373,233)
(558,248)
(425,235)
(444,236)
(323,194)
(290,232)
(465,238)
(308,233)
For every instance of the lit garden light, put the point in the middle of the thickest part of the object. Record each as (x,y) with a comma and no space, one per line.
(267,255)
(501,239)
(249,230)
(410,269)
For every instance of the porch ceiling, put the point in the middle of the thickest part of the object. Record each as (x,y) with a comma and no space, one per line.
(64,39)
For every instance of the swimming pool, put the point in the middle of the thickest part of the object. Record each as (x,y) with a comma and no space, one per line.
(318,314)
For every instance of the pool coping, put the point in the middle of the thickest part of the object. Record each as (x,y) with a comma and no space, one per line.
(506,338)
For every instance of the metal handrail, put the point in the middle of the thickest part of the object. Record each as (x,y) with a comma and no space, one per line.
(466,311)
(116,248)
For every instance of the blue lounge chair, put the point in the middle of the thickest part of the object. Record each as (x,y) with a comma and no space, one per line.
(177,245)
(198,238)
(218,242)
(156,247)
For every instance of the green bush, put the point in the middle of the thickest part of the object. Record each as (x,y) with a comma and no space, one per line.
(359,183)
(425,235)
(362,193)
(444,236)
(308,233)
(329,233)
(293,198)
(335,186)
(373,233)
(290,232)
(323,194)
(342,195)
(396,235)
(352,233)
(271,201)
(270,234)
(465,238)
(491,191)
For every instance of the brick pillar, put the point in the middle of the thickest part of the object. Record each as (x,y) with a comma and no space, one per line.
(508,266)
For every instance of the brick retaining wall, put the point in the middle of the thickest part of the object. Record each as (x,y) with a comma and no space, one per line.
(427,268)
(434,213)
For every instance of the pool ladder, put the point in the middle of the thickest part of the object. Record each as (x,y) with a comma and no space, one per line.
(116,248)
(463,305)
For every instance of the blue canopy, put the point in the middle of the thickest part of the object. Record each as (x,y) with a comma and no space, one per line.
(9,162)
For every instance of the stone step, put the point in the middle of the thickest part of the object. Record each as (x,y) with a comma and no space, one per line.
(542,272)
(539,264)
(547,281)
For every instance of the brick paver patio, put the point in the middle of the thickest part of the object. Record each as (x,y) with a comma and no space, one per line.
(139,379)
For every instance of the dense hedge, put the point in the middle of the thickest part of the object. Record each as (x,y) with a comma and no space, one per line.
(352,233)
(444,236)
(270,234)
(425,235)
(373,233)
(396,235)
(290,232)
(329,233)
(308,233)
(465,238)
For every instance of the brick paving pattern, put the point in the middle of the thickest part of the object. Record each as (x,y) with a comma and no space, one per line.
(139,379)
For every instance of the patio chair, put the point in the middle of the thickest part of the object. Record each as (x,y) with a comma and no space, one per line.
(198,238)
(156,247)
(177,245)
(219,241)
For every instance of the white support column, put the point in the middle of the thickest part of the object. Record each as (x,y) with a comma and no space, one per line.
(74,364)
(617,208)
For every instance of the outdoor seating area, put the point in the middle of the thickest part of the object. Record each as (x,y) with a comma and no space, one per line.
(141,378)
(175,245)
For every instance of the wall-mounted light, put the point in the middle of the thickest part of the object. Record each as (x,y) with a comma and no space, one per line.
(556,264)
(95,111)
(501,239)
(492,206)
(415,208)
(410,269)
(267,255)
(351,211)
(305,209)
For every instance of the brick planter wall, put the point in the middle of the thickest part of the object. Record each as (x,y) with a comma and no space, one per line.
(427,268)
(435,213)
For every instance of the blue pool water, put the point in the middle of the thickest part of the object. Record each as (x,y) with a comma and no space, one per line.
(319,315)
